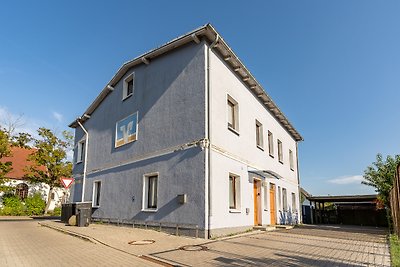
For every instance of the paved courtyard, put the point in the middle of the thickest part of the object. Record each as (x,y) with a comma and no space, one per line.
(26,243)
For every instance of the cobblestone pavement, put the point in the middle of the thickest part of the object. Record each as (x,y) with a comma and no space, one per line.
(26,243)
(302,246)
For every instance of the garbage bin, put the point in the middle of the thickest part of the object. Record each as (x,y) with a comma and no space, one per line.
(84,216)
(67,210)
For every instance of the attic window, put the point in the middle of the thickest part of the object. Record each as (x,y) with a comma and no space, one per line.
(128,87)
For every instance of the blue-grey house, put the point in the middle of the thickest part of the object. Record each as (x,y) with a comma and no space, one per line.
(185,134)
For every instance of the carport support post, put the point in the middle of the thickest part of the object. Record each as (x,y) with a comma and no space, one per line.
(312,212)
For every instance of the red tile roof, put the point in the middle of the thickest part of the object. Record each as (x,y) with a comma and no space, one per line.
(19,159)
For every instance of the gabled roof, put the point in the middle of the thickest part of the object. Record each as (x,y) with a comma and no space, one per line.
(208,33)
(19,159)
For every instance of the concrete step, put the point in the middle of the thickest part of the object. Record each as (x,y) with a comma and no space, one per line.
(264,227)
(286,227)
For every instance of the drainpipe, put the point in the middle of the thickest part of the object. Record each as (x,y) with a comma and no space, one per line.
(208,133)
(298,182)
(85,160)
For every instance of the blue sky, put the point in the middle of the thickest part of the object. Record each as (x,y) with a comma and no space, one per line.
(331,66)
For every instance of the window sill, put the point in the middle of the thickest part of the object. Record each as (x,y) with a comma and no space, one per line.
(271,155)
(233,130)
(95,207)
(260,147)
(126,97)
(149,210)
(234,211)
(292,169)
(265,209)
(78,162)
(281,162)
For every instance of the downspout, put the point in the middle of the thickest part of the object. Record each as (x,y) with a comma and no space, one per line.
(85,160)
(208,133)
(298,184)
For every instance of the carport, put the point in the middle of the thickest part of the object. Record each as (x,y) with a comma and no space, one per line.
(352,210)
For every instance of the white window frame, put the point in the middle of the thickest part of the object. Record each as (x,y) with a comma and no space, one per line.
(96,193)
(294,205)
(266,193)
(284,199)
(236,194)
(280,151)
(130,77)
(259,135)
(80,155)
(271,143)
(235,124)
(146,192)
(291,160)
(136,131)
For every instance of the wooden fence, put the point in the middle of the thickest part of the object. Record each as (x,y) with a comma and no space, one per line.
(395,203)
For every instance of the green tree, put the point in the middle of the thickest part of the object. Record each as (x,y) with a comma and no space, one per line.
(50,160)
(380,175)
(5,167)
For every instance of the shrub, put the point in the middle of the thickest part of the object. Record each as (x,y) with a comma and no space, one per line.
(12,205)
(35,205)
(56,211)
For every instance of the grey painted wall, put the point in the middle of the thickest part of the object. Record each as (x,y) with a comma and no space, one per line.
(169,95)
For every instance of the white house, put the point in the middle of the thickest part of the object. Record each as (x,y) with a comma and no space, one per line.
(185,134)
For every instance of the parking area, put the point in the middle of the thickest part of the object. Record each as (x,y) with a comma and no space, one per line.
(302,246)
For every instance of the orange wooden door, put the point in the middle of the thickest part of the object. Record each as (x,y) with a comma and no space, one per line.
(272,204)
(256,195)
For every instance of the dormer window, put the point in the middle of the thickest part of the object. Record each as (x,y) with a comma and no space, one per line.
(128,87)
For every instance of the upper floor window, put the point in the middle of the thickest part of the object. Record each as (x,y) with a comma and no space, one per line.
(280,152)
(233,113)
(128,86)
(81,152)
(259,134)
(291,160)
(126,130)
(270,144)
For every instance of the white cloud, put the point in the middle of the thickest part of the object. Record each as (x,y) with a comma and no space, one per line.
(58,116)
(342,180)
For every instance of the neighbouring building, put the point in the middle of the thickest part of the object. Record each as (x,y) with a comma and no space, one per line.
(22,187)
(185,134)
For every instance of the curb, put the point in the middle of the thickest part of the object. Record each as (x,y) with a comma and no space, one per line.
(86,238)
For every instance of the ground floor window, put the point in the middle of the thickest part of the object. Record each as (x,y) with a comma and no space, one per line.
(21,191)
(150,191)
(234,192)
(96,193)
(284,199)
(294,207)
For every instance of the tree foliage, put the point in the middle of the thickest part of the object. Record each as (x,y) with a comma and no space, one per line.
(380,175)
(49,161)
(5,167)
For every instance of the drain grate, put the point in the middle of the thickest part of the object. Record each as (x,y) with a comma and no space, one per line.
(194,248)
(141,242)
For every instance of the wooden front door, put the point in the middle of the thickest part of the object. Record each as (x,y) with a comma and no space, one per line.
(272,204)
(257,196)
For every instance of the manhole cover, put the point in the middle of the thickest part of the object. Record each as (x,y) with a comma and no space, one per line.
(193,248)
(141,242)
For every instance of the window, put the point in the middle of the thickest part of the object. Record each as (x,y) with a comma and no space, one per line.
(259,134)
(279,198)
(21,191)
(284,199)
(126,130)
(291,160)
(234,192)
(81,152)
(128,86)
(294,207)
(233,112)
(266,196)
(270,144)
(280,154)
(96,193)
(150,192)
